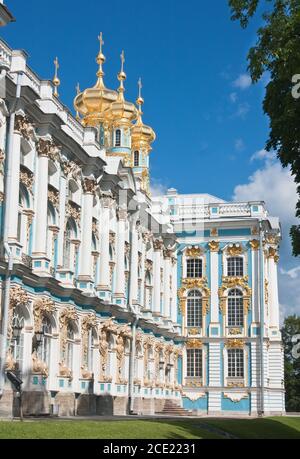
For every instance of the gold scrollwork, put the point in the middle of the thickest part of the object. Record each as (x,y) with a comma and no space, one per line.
(233,343)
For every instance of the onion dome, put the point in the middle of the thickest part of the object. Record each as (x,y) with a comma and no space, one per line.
(141,135)
(94,102)
(122,112)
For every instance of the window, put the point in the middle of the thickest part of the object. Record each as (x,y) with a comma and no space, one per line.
(235,363)
(118,138)
(194,309)
(70,234)
(235,266)
(136,158)
(235,308)
(44,348)
(70,344)
(194,363)
(194,268)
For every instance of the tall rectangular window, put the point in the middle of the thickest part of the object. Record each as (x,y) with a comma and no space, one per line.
(235,363)
(194,268)
(235,266)
(194,363)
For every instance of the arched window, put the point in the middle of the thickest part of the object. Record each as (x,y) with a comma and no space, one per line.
(44,348)
(194,309)
(118,138)
(235,308)
(194,268)
(70,234)
(51,234)
(148,291)
(235,266)
(70,345)
(17,343)
(136,159)
(24,203)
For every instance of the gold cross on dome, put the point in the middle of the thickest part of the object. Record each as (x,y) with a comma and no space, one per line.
(122,60)
(100,38)
(56,63)
(140,87)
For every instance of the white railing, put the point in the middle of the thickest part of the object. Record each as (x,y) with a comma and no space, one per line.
(207,211)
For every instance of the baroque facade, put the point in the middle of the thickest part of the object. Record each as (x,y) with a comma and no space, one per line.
(113,301)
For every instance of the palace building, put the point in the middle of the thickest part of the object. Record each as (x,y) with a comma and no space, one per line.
(112,301)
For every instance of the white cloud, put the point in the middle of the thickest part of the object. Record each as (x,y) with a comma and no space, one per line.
(243,82)
(275,185)
(242,110)
(263,155)
(233,97)
(158,188)
(239,145)
(292,273)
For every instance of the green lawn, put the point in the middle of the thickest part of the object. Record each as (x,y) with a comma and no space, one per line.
(280,427)
(271,428)
(103,429)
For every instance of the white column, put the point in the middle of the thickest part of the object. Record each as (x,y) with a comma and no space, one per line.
(120,254)
(167,293)
(40,246)
(86,244)
(13,205)
(62,216)
(134,263)
(157,245)
(104,244)
(273,293)
(214,280)
(255,280)
(174,291)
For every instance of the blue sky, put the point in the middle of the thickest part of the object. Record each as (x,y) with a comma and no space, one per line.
(198,98)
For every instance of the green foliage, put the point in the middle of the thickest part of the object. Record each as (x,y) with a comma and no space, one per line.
(291,328)
(277,52)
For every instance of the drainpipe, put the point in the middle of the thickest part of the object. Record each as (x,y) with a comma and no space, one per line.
(7,249)
(262,318)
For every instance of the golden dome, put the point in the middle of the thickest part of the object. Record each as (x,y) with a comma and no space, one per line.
(141,135)
(122,112)
(94,102)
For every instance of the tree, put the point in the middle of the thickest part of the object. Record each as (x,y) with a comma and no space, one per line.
(290,329)
(277,52)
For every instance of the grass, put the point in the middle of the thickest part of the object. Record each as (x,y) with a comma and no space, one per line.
(149,430)
(269,428)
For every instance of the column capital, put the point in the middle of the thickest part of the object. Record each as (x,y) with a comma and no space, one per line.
(122,214)
(89,185)
(214,246)
(24,127)
(107,201)
(158,245)
(168,254)
(48,148)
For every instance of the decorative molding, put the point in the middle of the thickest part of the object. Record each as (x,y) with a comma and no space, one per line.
(194,344)
(46,147)
(24,127)
(53,197)
(234,250)
(235,396)
(231,283)
(193,252)
(89,185)
(254,244)
(42,307)
(26,178)
(74,212)
(234,343)
(214,246)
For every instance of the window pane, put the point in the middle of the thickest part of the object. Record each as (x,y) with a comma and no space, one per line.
(235,266)
(235,309)
(194,309)
(194,268)
(235,363)
(194,363)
